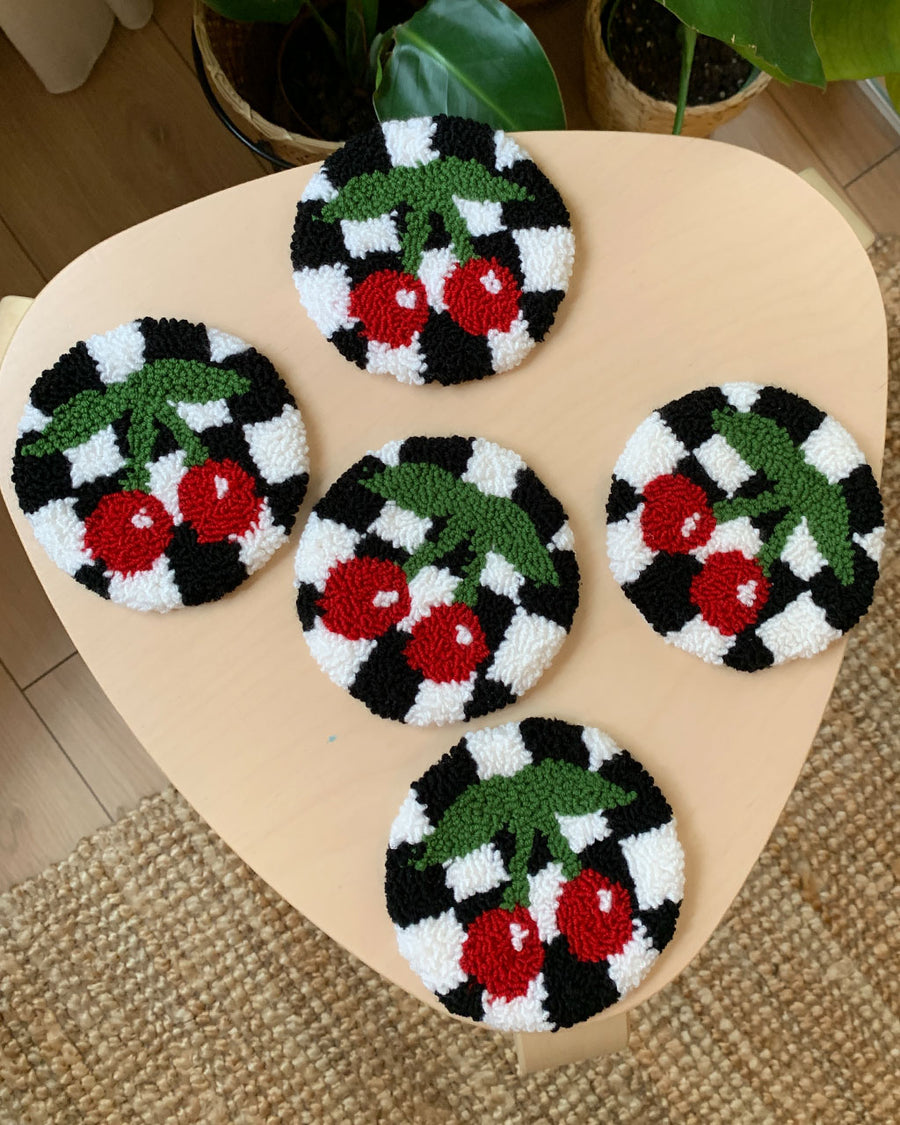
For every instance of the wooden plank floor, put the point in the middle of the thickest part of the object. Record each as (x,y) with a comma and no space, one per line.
(135,140)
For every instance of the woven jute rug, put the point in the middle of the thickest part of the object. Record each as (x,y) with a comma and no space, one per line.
(152,977)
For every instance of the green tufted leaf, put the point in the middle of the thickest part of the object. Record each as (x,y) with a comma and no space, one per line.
(488,523)
(150,396)
(800,491)
(528,802)
(428,189)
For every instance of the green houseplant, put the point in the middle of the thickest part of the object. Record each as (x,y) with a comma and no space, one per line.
(332,67)
(811,41)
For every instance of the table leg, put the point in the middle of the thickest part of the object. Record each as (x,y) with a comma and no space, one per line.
(541,1050)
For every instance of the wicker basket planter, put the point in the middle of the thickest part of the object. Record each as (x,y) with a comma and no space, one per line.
(230,52)
(616,103)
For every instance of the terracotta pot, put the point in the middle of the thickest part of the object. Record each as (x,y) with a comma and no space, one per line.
(230,53)
(616,103)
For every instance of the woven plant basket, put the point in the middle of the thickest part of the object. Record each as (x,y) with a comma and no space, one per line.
(234,56)
(615,103)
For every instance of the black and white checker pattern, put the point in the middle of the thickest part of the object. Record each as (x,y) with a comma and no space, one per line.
(524,623)
(531,238)
(635,846)
(261,431)
(807,607)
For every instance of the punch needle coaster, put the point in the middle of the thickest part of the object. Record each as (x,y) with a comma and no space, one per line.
(745,525)
(533,875)
(433,250)
(436,579)
(161,463)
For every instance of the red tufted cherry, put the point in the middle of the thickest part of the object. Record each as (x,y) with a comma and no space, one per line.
(481,295)
(219,499)
(594,914)
(447,645)
(128,531)
(730,591)
(364,597)
(503,951)
(392,307)
(677,517)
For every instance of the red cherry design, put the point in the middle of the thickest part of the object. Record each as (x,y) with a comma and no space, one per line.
(364,597)
(481,295)
(392,306)
(447,645)
(218,499)
(730,591)
(594,914)
(503,951)
(128,531)
(677,517)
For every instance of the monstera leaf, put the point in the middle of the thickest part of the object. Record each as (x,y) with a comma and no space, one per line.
(470,58)
(774,34)
(859,39)
(812,41)
(528,802)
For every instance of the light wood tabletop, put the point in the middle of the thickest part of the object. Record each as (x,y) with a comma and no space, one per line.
(696,263)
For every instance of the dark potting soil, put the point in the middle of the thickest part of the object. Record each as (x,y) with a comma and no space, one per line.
(641,37)
(322,100)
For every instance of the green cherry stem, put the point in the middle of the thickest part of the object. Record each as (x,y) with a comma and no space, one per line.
(560,848)
(196,452)
(467,591)
(418,228)
(458,231)
(775,544)
(451,535)
(141,436)
(725,510)
(517,892)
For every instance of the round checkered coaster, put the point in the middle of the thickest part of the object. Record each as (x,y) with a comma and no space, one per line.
(745,525)
(436,579)
(533,875)
(433,250)
(161,463)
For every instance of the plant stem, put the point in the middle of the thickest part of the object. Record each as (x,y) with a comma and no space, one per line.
(332,39)
(688,37)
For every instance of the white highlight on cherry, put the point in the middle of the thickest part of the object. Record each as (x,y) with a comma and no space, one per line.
(746,592)
(385,598)
(221,484)
(141,520)
(491,282)
(604,900)
(406,298)
(463,636)
(518,935)
(687,528)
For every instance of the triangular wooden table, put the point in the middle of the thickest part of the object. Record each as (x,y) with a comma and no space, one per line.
(696,263)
